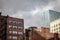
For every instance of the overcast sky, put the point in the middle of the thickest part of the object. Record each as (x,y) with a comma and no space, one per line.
(30,10)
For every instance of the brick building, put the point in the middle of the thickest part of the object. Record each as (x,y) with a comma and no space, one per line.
(45,32)
(11,28)
(56,37)
(42,34)
(33,34)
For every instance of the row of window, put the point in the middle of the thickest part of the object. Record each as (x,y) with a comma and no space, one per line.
(13,37)
(55,30)
(56,25)
(15,32)
(12,21)
(16,27)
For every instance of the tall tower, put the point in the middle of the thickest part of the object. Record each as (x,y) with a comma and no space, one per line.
(51,19)
(54,21)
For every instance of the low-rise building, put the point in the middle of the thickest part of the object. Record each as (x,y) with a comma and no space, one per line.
(55,26)
(42,34)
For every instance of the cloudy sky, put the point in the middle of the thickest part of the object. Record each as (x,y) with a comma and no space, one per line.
(30,10)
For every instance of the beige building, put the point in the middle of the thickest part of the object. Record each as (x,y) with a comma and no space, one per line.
(42,33)
(45,32)
(55,26)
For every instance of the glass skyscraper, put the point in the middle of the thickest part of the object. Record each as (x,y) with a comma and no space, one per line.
(54,15)
(49,16)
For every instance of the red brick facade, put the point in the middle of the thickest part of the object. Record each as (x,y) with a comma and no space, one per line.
(19,36)
(44,34)
(11,28)
(34,35)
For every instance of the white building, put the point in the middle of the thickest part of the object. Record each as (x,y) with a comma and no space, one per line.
(55,26)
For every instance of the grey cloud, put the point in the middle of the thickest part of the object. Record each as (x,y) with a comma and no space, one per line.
(57,5)
(23,9)
(25,4)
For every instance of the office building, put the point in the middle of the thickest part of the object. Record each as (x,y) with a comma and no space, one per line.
(11,28)
(54,21)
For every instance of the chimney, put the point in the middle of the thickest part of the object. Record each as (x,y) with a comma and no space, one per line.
(7,16)
(0,13)
(56,36)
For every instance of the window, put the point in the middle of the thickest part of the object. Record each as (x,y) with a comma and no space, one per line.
(20,33)
(59,23)
(10,37)
(10,21)
(56,25)
(15,27)
(19,27)
(10,26)
(15,22)
(59,27)
(10,32)
(14,32)
(19,22)
(14,37)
